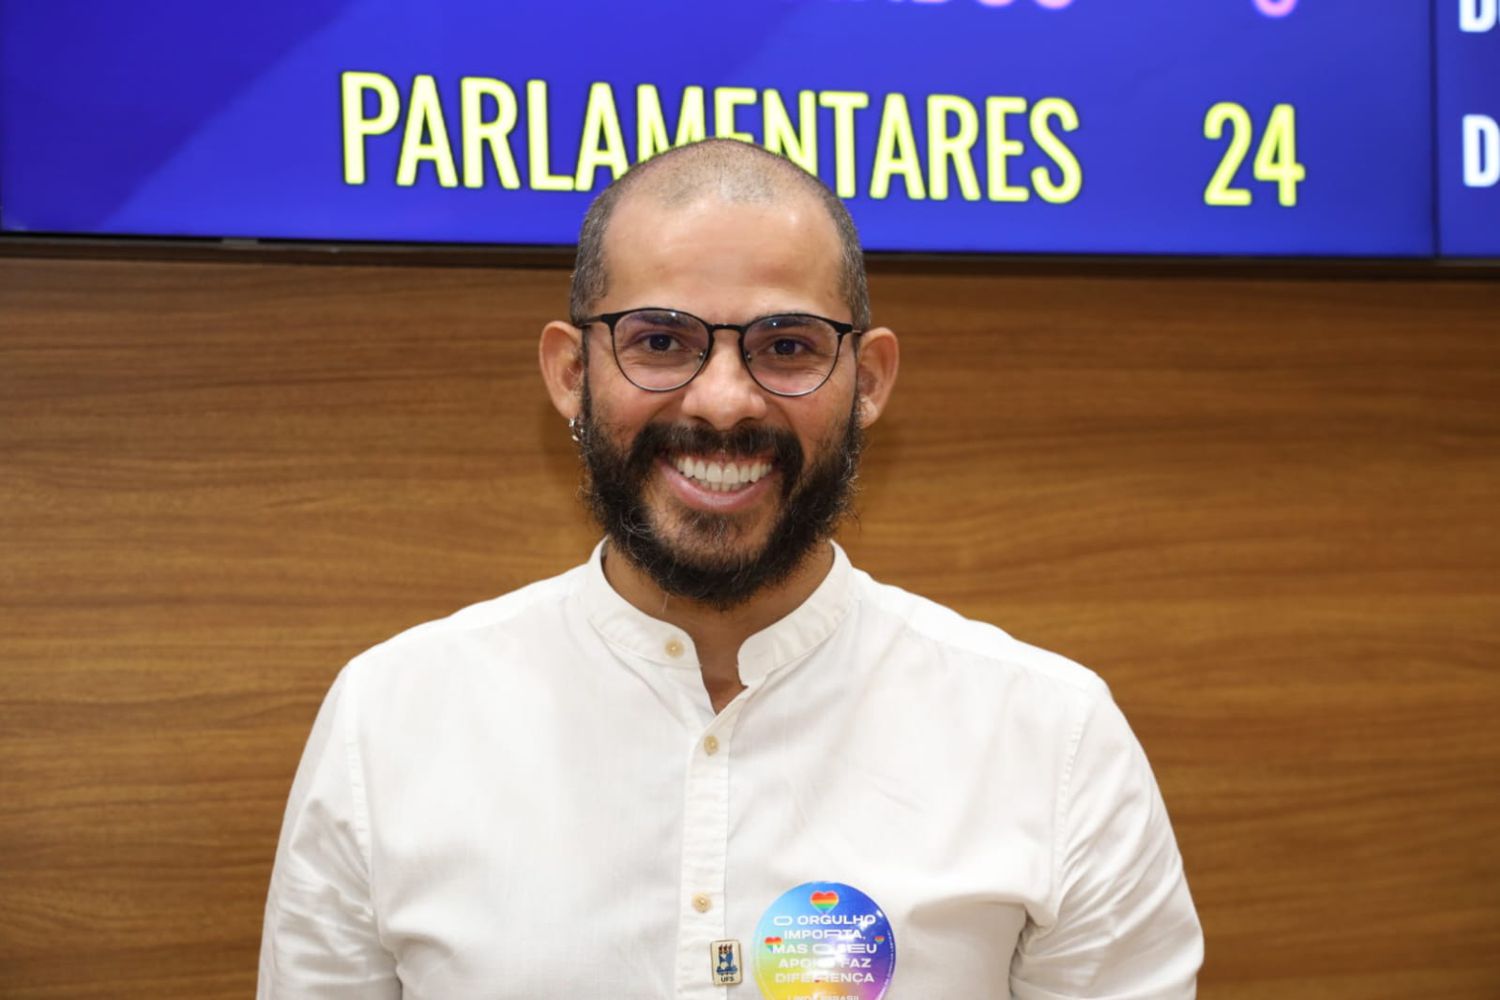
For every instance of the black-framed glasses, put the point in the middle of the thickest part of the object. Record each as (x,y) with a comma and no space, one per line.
(788,354)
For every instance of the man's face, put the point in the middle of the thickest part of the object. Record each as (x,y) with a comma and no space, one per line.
(651,456)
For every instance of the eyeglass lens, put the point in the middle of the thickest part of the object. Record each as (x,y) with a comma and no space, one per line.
(786,354)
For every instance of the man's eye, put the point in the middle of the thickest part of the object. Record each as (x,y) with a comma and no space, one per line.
(786,347)
(660,341)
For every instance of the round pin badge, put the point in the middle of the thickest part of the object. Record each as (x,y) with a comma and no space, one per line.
(824,941)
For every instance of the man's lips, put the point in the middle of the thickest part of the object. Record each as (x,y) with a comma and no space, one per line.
(706,483)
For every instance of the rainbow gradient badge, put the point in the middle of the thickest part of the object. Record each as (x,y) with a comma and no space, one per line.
(824,940)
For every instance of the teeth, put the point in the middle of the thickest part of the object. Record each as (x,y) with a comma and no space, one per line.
(721,477)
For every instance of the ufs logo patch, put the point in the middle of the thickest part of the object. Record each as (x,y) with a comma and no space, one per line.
(726,963)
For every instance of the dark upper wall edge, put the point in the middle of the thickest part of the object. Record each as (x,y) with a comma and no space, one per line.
(561,258)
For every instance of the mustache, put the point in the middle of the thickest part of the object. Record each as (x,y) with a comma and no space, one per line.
(656,440)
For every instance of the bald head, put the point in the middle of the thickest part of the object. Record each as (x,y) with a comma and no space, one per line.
(731,171)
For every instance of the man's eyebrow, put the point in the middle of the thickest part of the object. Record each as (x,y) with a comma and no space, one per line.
(788,311)
(666,313)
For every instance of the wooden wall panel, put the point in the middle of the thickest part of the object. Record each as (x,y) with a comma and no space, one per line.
(1263,508)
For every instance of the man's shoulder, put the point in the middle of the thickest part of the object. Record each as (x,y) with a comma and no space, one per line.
(978,643)
(489,619)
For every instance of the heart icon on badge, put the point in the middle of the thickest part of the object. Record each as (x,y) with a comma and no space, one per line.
(770,941)
(824,901)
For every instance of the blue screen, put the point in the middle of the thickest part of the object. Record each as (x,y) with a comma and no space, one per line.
(1254,127)
(1468,127)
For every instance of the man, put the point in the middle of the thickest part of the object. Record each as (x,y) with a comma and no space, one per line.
(717,761)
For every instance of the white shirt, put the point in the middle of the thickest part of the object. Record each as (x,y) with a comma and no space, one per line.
(533,799)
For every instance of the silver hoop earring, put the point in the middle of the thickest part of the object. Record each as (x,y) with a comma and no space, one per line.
(575,430)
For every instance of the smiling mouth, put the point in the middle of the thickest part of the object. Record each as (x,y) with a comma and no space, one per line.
(721,476)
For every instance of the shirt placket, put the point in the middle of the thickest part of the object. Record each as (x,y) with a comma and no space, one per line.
(705,848)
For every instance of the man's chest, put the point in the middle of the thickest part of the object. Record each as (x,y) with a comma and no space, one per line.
(604,868)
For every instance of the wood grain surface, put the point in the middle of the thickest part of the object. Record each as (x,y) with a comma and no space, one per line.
(1263,508)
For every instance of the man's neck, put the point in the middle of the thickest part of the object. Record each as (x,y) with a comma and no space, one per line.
(717,635)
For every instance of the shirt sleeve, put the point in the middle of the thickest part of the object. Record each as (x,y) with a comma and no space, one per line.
(1122,924)
(321,940)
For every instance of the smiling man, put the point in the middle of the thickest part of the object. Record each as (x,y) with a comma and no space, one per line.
(716,760)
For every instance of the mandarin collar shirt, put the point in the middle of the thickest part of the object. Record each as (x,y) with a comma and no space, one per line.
(534,799)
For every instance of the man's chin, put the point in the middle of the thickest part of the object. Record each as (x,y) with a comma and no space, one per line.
(712,542)
(719,565)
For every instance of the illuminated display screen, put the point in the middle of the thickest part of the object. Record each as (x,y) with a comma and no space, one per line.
(1468,128)
(1247,127)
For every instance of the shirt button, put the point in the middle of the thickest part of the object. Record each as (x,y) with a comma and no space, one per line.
(702,903)
(674,648)
(710,745)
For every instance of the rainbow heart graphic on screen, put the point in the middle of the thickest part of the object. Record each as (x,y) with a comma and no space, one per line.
(824,901)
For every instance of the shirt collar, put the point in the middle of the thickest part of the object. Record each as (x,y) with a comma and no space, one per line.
(626,627)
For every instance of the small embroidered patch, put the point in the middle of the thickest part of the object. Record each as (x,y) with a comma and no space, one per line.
(727,961)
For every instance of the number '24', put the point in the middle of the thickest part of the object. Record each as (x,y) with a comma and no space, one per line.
(1275,158)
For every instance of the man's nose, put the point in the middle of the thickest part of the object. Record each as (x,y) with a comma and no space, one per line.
(723,394)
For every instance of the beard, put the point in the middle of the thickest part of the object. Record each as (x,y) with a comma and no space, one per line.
(707,567)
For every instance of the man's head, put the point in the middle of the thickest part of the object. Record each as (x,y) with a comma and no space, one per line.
(719,488)
(732,171)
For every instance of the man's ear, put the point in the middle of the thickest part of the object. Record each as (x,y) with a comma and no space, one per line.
(879,357)
(561,355)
